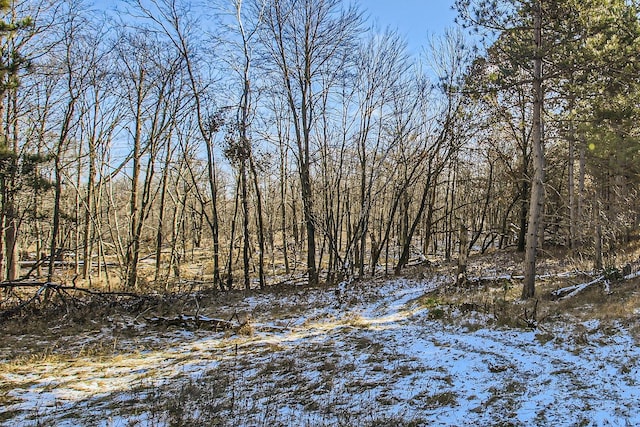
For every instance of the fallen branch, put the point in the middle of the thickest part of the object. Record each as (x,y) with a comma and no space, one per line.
(41,262)
(632,275)
(509,276)
(570,291)
(292,281)
(192,322)
(45,288)
(58,287)
(17,309)
(531,319)
(20,284)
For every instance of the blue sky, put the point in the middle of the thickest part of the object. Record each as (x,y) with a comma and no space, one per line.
(414,19)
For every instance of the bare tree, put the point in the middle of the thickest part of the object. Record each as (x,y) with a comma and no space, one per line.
(73,73)
(302,39)
(382,66)
(239,148)
(151,75)
(177,21)
(443,134)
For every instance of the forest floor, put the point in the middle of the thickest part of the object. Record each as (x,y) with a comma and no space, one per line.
(402,351)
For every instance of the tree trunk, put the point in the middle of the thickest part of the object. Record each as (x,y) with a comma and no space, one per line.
(487,200)
(88,210)
(215,233)
(524,215)
(260,224)
(11,238)
(310,225)
(463,254)
(597,261)
(55,227)
(536,204)
(161,209)
(571,182)
(133,244)
(232,238)
(11,214)
(406,247)
(283,209)
(245,224)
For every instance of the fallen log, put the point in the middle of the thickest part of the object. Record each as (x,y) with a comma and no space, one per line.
(570,291)
(191,322)
(58,287)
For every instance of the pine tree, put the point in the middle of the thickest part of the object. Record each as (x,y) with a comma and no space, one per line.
(12,64)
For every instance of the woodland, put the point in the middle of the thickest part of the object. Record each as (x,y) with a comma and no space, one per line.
(273,212)
(158,145)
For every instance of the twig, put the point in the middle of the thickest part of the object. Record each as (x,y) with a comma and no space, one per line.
(12,311)
(61,290)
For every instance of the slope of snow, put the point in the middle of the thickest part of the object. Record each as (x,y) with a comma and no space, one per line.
(370,356)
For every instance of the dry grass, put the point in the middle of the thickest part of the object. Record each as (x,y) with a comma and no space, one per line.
(495,292)
(496,300)
(503,306)
(270,375)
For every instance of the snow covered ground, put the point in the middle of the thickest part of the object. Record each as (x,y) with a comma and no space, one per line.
(372,355)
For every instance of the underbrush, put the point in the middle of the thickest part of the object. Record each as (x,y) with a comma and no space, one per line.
(491,299)
(498,303)
(362,354)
